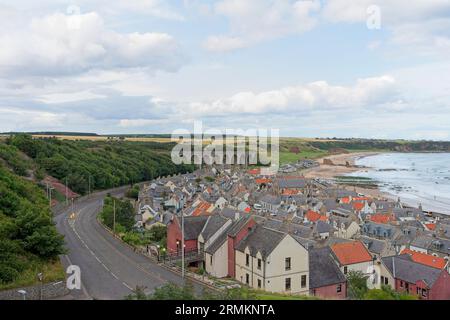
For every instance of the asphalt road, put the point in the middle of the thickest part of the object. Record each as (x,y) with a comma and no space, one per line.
(109,268)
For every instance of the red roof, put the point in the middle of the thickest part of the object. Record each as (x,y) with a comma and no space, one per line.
(345,200)
(382,218)
(254,171)
(351,252)
(201,209)
(430,226)
(426,259)
(358,206)
(314,216)
(262,180)
(289,192)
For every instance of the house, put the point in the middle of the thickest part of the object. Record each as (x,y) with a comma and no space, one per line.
(326,280)
(270,203)
(236,233)
(216,251)
(215,225)
(272,261)
(192,229)
(312,216)
(352,256)
(346,228)
(431,245)
(426,282)
(427,259)
(323,230)
(221,203)
(379,230)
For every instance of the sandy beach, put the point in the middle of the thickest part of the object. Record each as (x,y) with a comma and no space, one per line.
(343,164)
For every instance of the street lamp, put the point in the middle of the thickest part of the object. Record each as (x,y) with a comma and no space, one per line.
(40,276)
(23,293)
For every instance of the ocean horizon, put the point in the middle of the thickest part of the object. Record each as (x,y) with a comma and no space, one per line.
(415,178)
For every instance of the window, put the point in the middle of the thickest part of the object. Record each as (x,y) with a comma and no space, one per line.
(259,283)
(247,260)
(339,288)
(303,281)
(401,284)
(345,270)
(288,284)
(424,293)
(247,278)
(210,260)
(382,279)
(386,280)
(259,264)
(287,264)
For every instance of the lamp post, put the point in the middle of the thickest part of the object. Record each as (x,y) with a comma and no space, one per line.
(23,293)
(182,245)
(40,276)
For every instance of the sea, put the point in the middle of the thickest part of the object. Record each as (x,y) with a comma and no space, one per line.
(415,178)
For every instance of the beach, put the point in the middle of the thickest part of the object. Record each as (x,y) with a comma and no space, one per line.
(343,164)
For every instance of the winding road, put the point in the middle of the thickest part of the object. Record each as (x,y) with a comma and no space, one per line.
(109,268)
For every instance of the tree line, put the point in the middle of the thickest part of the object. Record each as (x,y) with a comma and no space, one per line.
(99,164)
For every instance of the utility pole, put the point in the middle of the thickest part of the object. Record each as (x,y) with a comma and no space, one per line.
(89,179)
(50,196)
(114,217)
(67,197)
(182,245)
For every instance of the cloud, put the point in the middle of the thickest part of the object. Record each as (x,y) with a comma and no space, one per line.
(255,21)
(320,95)
(59,44)
(422,26)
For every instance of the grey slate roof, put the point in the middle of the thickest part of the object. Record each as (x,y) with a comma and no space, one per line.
(213,247)
(378,230)
(373,245)
(402,267)
(193,226)
(323,270)
(213,224)
(238,225)
(261,240)
(291,183)
(323,227)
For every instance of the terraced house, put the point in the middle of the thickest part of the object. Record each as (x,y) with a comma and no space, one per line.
(273,261)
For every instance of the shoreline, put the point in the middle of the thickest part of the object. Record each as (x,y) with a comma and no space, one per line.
(344,164)
(339,168)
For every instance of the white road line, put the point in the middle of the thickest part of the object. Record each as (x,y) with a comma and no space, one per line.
(127,286)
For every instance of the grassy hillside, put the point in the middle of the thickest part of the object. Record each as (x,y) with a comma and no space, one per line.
(29,242)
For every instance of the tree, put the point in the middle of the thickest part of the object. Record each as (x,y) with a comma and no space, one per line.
(357,285)
(124,213)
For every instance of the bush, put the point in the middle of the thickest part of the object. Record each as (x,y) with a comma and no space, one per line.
(7,274)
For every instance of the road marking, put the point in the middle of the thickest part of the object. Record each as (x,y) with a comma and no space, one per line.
(127,286)
(93,254)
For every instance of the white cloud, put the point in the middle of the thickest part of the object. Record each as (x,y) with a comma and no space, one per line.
(319,95)
(423,26)
(254,21)
(59,44)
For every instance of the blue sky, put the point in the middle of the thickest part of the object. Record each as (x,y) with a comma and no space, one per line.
(311,68)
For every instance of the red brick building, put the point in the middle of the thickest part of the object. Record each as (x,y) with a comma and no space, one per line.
(235,235)
(192,228)
(428,283)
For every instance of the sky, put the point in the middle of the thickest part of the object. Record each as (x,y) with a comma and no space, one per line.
(310,68)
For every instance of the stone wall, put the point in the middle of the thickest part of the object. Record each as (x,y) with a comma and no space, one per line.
(49,291)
